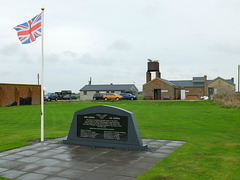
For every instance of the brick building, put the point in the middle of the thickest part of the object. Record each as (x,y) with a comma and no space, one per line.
(160,89)
(19,94)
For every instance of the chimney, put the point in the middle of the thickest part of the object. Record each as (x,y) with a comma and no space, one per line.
(111,83)
(205,86)
(232,79)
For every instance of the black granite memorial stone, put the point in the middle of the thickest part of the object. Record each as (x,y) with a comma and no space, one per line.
(105,126)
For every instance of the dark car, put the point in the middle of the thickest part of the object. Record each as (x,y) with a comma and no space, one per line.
(128,96)
(51,97)
(69,97)
(98,96)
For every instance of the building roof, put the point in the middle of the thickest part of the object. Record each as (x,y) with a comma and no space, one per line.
(164,80)
(196,82)
(113,87)
(230,81)
(180,83)
(187,83)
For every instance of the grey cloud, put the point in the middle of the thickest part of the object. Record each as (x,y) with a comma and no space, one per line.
(4,73)
(120,45)
(10,49)
(229,49)
(72,57)
(52,58)
(14,53)
(63,57)
(26,58)
(70,54)
(89,59)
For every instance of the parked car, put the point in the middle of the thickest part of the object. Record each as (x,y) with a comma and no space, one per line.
(69,97)
(51,97)
(128,96)
(107,96)
(98,96)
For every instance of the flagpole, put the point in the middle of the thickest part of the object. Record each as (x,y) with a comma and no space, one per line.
(42,83)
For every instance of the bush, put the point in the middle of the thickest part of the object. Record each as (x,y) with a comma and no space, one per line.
(228,100)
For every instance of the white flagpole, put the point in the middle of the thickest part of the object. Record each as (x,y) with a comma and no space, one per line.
(42,84)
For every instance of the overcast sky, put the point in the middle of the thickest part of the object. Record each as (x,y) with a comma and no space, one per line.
(111,41)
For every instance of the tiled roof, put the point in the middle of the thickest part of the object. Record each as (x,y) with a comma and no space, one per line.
(187,83)
(164,80)
(196,82)
(114,87)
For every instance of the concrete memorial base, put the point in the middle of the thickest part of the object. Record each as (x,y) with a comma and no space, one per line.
(52,160)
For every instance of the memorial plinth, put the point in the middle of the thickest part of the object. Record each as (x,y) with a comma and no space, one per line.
(105,126)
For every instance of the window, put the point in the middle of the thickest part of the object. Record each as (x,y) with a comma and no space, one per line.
(97,91)
(112,91)
(107,91)
(84,92)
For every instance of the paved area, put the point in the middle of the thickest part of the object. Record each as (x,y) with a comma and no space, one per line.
(51,160)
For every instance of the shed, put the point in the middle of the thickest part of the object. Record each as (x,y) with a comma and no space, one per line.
(19,94)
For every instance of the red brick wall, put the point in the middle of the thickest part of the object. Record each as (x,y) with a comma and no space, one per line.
(198,92)
(168,90)
(10,93)
(148,90)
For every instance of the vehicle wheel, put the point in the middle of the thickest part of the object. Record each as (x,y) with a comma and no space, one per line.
(94,98)
(117,98)
(106,99)
(48,99)
(131,98)
(56,99)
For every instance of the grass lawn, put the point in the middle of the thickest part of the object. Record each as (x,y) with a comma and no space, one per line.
(212,133)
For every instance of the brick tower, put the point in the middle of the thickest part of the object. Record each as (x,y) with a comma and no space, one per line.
(153,66)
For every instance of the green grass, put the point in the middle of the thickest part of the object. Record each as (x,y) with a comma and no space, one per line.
(3,178)
(212,133)
(140,97)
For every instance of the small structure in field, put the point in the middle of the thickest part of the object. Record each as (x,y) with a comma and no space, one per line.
(19,94)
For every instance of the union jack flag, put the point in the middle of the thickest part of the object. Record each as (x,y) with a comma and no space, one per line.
(29,31)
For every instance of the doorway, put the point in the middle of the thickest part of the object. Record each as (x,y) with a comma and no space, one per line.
(210,91)
(157,94)
(183,94)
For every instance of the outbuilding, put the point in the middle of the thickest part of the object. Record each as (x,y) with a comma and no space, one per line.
(87,92)
(19,94)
